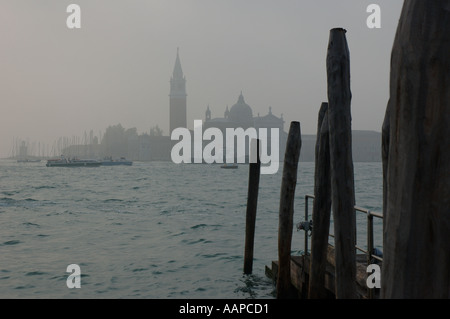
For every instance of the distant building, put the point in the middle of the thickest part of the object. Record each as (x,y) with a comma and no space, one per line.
(366,145)
(154,148)
(158,147)
(241,115)
(178,104)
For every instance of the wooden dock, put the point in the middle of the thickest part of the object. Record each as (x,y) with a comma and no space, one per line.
(415,153)
(300,268)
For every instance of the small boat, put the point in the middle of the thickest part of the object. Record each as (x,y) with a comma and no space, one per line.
(227,165)
(74,162)
(108,161)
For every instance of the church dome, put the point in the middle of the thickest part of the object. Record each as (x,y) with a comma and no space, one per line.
(241,112)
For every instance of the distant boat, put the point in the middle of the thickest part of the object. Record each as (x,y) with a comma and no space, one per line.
(227,165)
(65,162)
(108,161)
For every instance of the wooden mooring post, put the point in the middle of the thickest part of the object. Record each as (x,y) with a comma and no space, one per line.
(321,208)
(416,240)
(342,179)
(252,203)
(289,182)
(385,134)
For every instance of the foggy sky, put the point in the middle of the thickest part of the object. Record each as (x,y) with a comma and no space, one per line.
(116,69)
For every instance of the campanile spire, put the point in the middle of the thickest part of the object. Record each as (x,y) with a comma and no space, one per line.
(178,106)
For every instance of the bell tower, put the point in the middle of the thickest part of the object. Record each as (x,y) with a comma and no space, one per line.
(178,112)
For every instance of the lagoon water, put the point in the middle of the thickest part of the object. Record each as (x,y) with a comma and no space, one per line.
(151,230)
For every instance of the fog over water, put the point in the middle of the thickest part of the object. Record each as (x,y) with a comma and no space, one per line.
(56,81)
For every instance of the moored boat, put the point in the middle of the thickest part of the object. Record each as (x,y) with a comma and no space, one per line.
(109,161)
(74,162)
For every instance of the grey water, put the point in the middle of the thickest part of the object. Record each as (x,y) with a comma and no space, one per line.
(151,230)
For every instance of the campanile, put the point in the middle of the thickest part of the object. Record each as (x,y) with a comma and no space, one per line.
(177,97)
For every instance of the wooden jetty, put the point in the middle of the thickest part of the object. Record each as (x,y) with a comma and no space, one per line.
(301,268)
(329,271)
(300,274)
(416,177)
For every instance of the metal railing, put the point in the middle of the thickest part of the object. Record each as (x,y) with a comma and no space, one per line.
(370,242)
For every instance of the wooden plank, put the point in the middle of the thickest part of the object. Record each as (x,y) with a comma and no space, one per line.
(342,180)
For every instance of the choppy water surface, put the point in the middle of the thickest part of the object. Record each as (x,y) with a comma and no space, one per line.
(151,230)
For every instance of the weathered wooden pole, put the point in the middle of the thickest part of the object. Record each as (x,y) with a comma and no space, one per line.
(252,203)
(342,180)
(416,235)
(385,134)
(286,214)
(321,209)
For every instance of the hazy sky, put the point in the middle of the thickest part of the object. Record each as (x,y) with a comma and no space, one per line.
(56,81)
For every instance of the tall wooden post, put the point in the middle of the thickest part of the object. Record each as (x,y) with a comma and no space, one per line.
(385,133)
(416,235)
(321,208)
(342,181)
(286,214)
(252,203)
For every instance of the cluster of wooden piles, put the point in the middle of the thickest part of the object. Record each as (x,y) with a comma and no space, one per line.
(416,174)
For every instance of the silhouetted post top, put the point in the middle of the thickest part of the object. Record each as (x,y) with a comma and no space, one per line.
(339,29)
(337,44)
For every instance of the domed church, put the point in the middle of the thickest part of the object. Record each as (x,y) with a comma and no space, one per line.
(241,115)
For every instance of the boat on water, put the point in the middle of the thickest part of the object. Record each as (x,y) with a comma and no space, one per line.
(74,162)
(227,165)
(109,161)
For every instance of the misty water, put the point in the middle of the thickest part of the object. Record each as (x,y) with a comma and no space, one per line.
(151,230)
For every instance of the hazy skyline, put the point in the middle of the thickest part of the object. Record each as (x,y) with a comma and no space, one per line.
(56,82)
